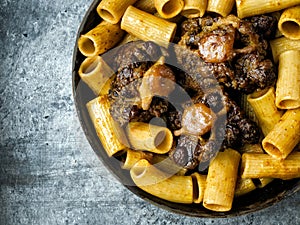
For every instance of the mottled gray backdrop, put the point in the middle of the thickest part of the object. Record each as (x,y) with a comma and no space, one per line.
(48,171)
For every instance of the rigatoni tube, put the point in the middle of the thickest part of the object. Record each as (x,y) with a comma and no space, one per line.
(221,181)
(263,104)
(261,182)
(148,27)
(167,165)
(128,38)
(289,23)
(244,186)
(110,135)
(248,109)
(100,39)
(96,74)
(280,45)
(199,183)
(168,8)
(246,8)
(220,7)
(285,135)
(288,82)
(146,6)
(171,188)
(263,165)
(149,137)
(194,8)
(112,10)
(132,157)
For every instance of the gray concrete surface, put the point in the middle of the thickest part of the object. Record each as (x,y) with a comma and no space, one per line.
(48,171)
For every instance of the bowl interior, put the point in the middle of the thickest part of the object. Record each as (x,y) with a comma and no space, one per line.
(255,200)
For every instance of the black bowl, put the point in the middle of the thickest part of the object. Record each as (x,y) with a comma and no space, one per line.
(254,201)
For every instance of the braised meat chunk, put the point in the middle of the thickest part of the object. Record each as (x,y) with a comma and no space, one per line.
(132,61)
(239,129)
(253,72)
(233,50)
(264,25)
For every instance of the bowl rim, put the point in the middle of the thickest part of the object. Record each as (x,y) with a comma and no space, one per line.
(160,203)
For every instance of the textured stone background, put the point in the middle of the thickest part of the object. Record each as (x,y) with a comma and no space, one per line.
(48,171)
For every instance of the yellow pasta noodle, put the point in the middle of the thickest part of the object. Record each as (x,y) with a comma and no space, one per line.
(168,8)
(199,182)
(148,27)
(149,137)
(176,19)
(263,104)
(264,182)
(277,15)
(260,182)
(220,7)
(289,23)
(246,8)
(251,148)
(285,135)
(146,6)
(280,45)
(263,165)
(171,188)
(128,38)
(194,8)
(112,10)
(221,181)
(132,157)
(244,186)
(248,109)
(110,135)
(96,74)
(100,39)
(288,82)
(167,165)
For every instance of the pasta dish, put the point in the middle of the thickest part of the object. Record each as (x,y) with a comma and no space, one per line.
(198,99)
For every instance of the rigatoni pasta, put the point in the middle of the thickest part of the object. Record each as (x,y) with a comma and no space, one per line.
(221,181)
(148,27)
(172,188)
(96,74)
(149,137)
(263,104)
(167,165)
(100,39)
(263,181)
(132,157)
(288,82)
(112,10)
(282,44)
(263,165)
(199,183)
(111,137)
(220,7)
(168,8)
(194,8)
(146,6)
(246,8)
(285,135)
(289,23)
(128,38)
(247,107)
(244,186)
(260,182)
